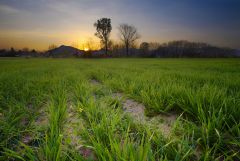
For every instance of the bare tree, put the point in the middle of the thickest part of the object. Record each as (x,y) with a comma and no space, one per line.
(128,35)
(103,27)
(154,45)
(144,48)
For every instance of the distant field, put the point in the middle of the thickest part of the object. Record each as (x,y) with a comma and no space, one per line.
(73,109)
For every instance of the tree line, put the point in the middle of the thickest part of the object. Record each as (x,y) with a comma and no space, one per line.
(183,48)
(128,36)
(23,52)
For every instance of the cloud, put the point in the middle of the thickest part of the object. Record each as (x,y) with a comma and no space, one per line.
(5,9)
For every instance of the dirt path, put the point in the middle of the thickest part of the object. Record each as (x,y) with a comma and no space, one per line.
(72,127)
(40,123)
(161,122)
(135,109)
(71,131)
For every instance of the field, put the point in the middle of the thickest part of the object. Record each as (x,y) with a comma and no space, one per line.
(90,109)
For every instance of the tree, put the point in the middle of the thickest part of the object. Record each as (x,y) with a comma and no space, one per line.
(144,47)
(12,52)
(128,35)
(154,45)
(33,51)
(104,28)
(25,50)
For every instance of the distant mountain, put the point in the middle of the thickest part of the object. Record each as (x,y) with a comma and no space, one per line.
(65,51)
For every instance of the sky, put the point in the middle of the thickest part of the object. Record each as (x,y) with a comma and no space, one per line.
(39,23)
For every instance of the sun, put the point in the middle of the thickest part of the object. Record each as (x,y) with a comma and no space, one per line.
(86,49)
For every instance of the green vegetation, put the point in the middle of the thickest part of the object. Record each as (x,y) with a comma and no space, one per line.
(36,95)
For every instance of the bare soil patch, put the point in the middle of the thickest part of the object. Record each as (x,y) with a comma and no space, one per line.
(136,110)
(95,82)
(162,122)
(72,126)
(40,122)
(42,119)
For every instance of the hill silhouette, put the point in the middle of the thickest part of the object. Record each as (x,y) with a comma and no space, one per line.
(65,51)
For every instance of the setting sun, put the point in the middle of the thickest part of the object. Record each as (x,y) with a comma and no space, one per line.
(86,49)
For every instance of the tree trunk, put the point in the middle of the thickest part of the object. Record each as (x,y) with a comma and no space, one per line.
(106,48)
(127,49)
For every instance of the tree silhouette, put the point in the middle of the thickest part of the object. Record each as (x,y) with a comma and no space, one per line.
(144,48)
(25,50)
(128,35)
(12,52)
(183,48)
(104,28)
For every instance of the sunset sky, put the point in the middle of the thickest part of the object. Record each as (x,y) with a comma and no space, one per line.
(38,23)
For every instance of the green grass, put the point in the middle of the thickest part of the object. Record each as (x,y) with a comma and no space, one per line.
(204,91)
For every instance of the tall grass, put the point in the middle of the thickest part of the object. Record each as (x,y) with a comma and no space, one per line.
(206,91)
(210,101)
(112,135)
(57,114)
(20,99)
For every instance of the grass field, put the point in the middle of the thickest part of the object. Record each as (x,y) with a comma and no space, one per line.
(50,109)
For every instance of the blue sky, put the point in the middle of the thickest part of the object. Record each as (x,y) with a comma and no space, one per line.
(38,23)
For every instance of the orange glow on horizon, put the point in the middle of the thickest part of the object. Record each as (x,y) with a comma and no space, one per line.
(41,40)
(86,43)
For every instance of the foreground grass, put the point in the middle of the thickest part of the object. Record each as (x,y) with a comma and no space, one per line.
(206,91)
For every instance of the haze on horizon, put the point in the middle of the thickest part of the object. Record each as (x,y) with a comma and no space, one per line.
(37,24)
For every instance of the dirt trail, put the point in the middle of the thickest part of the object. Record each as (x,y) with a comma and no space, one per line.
(161,122)
(136,110)
(40,122)
(72,127)
(42,119)
(95,82)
